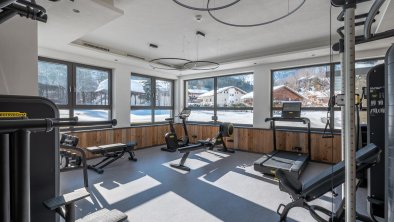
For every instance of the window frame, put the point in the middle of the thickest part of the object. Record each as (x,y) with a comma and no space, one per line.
(215,107)
(153,106)
(332,90)
(71,84)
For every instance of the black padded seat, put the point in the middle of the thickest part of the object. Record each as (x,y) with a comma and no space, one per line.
(108,148)
(111,152)
(324,182)
(290,162)
(64,205)
(104,215)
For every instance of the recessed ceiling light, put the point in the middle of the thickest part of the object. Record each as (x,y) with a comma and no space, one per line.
(198,18)
(76,10)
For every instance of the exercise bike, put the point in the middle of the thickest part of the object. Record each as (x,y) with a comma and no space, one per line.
(172,141)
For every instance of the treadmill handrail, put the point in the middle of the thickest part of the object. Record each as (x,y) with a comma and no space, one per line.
(297,119)
(283,119)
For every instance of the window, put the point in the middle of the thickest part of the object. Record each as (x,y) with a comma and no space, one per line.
(309,85)
(151,99)
(362,69)
(78,90)
(313,86)
(229,98)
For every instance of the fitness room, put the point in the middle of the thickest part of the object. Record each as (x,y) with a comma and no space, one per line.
(196,110)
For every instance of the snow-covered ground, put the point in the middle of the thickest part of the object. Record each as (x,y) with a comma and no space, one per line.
(91,115)
(145,116)
(235,117)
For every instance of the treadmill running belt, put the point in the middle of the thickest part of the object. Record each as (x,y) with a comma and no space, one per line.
(291,162)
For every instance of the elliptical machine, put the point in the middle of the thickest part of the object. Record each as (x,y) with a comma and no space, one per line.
(172,141)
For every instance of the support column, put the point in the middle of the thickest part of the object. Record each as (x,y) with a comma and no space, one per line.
(350,130)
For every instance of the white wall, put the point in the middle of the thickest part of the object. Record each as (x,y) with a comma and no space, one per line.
(262,80)
(18,57)
(120,76)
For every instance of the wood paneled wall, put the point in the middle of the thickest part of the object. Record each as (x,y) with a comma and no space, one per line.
(246,139)
(261,141)
(146,136)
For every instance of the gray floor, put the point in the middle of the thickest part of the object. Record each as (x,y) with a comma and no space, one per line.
(220,187)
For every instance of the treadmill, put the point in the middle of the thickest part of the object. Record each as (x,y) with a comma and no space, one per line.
(293,163)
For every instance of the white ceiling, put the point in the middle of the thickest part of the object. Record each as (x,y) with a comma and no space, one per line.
(130,25)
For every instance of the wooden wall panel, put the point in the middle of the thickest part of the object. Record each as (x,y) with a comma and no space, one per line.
(261,141)
(246,139)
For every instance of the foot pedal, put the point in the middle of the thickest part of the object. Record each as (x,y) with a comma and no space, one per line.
(278,211)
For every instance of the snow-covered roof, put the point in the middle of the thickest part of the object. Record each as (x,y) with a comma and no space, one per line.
(197,91)
(290,89)
(247,96)
(317,94)
(103,86)
(136,86)
(220,90)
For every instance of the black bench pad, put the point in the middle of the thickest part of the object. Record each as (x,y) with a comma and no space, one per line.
(65,199)
(110,148)
(104,215)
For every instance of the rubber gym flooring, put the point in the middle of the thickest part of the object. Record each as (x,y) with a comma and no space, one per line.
(220,187)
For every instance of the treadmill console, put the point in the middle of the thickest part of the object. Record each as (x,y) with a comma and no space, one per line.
(291,110)
(185,113)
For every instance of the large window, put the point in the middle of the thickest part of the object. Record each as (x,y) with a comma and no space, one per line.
(309,85)
(229,98)
(151,99)
(313,86)
(78,90)
(362,69)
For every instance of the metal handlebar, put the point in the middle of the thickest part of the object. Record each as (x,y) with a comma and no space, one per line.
(48,124)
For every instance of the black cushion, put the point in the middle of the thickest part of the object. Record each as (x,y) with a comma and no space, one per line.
(104,215)
(288,183)
(335,175)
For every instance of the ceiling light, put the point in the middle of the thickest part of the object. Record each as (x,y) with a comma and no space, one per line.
(206,9)
(172,63)
(162,63)
(289,12)
(210,9)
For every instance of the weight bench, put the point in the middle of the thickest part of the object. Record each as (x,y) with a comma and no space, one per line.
(64,206)
(302,193)
(111,152)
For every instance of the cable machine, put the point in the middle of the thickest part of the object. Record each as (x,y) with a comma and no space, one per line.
(346,48)
(29,167)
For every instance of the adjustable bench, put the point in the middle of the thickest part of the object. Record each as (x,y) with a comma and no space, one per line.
(111,152)
(64,206)
(302,193)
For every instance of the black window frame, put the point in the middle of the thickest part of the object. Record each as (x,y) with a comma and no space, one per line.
(153,106)
(71,91)
(332,90)
(215,107)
